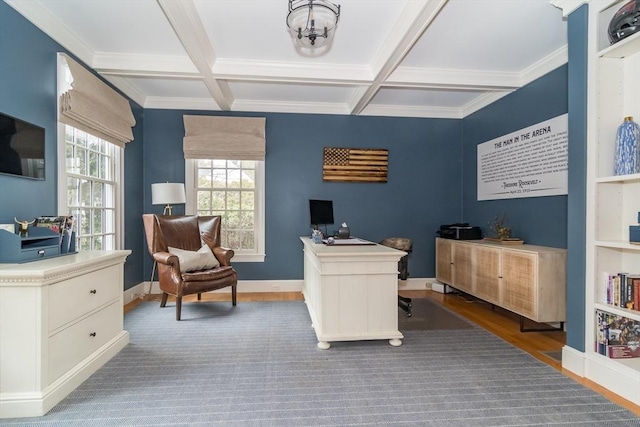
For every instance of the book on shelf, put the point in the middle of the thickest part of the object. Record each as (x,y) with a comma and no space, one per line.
(621,290)
(617,337)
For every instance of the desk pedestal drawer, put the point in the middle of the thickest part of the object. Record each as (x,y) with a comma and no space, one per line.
(70,346)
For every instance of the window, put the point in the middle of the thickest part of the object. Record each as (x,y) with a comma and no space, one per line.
(89,180)
(233,189)
(91,187)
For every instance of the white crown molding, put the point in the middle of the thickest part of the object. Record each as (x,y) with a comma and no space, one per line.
(127,88)
(173,103)
(144,65)
(482,101)
(412,111)
(568,6)
(233,69)
(290,107)
(41,17)
(545,65)
(453,79)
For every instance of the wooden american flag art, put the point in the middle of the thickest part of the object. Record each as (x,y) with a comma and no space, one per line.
(355,164)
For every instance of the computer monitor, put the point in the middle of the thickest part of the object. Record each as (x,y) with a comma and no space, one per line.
(321,212)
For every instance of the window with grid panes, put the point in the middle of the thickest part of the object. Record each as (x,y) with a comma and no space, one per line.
(232,189)
(91,188)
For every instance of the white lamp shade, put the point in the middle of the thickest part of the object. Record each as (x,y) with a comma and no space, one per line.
(167,193)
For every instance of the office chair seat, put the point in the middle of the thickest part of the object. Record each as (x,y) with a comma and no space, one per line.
(402,244)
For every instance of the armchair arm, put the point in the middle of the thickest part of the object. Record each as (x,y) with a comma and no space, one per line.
(224,255)
(167,259)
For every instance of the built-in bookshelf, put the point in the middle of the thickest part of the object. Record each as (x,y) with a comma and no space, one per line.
(613,202)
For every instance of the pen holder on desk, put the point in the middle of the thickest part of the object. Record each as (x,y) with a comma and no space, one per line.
(316,236)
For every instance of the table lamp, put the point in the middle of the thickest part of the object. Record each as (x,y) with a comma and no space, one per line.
(167,193)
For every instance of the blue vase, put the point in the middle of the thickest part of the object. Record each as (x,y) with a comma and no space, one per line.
(627,156)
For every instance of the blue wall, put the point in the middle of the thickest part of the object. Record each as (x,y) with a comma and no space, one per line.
(28,92)
(576,209)
(28,73)
(536,220)
(422,191)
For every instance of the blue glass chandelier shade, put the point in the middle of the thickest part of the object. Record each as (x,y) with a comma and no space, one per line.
(627,156)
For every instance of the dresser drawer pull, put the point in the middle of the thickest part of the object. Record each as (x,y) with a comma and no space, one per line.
(92,334)
(93,291)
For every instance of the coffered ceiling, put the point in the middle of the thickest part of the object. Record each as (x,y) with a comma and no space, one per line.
(414,58)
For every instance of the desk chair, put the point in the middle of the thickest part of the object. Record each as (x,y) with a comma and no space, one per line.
(403,244)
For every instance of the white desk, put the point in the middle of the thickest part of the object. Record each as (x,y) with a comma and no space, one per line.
(351,292)
(60,320)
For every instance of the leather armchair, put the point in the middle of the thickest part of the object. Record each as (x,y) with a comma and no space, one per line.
(188,233)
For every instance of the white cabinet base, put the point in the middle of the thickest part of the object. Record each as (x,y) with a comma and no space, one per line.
(351,292)
(30,404)
(61,319)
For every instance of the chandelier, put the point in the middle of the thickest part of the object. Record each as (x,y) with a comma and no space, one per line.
(312,22)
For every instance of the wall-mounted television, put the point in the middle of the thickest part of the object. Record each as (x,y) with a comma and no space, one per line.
(21,148)
(321,212)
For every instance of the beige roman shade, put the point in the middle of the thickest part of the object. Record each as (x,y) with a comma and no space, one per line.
(94,107)
(229,138)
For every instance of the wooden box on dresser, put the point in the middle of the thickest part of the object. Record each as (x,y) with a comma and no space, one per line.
(613,202)
(60,320)
(528,280)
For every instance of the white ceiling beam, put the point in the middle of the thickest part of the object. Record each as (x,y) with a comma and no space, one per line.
(412,111)
(271,106)
(188,26)
(414,20)
(452,79)
(234,69)
(175,103)
(140,65)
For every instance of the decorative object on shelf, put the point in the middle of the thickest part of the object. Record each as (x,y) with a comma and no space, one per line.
(23,227)
(355,164)
(343,231)
(63,225)
(634,234)
(167,193)
(502,233)
(627,155)
(499,228)
(316,235)
(312,24)
(625,22)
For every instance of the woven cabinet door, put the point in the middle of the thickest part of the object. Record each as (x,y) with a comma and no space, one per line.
(487,276)
(519,282)
(443,261)
(463,270)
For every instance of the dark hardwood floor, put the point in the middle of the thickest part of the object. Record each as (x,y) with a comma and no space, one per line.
(545,346)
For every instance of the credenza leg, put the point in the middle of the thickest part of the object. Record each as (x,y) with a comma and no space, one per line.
(323,345)
(395,342)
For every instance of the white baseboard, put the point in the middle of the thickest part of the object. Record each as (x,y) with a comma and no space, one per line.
(573,360)
(246,286)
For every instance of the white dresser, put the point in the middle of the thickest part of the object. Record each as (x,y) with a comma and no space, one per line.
(351,292)
(60,320)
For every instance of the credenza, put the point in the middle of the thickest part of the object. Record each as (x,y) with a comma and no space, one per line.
(60,320)
(351,292)
(528,280)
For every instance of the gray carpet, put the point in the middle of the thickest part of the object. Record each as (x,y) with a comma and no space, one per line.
(429,315)
(258,365)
